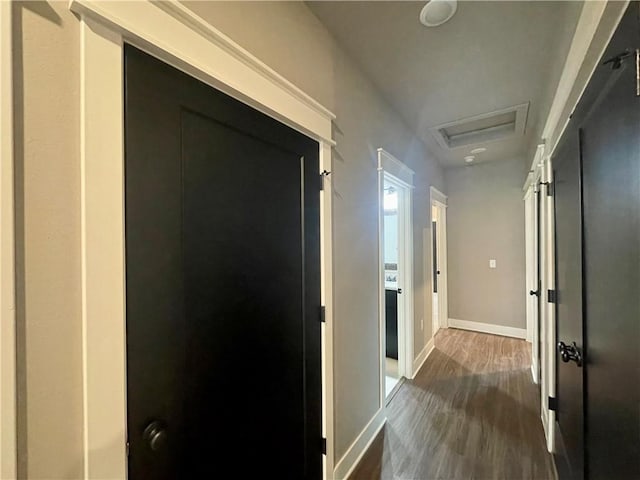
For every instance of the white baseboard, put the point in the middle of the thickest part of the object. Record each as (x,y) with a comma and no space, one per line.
(422,356)
(354,453)
(489,328)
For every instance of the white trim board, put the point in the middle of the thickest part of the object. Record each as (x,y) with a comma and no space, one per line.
(395,167)
(178,37)
(422,356)
(355,452)
(584,54)
(8,440)
(438,196)
(488,328)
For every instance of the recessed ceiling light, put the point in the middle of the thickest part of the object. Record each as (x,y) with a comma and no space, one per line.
(479,150)
(437,12)
(469,158)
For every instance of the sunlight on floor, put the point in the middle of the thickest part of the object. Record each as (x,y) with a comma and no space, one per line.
(391,377)
(389,383)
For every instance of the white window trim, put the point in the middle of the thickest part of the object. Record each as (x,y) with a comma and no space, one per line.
(177,36)
(8,440)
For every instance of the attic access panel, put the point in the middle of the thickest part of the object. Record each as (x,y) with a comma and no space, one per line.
(487,127)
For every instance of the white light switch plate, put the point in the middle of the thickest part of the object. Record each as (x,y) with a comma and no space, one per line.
(492,263)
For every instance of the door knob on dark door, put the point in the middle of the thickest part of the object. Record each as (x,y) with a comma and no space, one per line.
(155,435)
(570,353)
(534,292)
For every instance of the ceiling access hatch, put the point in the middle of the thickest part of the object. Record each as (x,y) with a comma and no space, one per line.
(487,127)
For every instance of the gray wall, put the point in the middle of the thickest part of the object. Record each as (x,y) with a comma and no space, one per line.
(485,219)
(291,40)
(47,133)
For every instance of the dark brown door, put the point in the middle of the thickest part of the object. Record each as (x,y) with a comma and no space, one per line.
(611,189)
(597,202)
(568,243)
(223,284)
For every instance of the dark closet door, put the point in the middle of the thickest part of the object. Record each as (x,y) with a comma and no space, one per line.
(223,284)
(611,189)
(568,228)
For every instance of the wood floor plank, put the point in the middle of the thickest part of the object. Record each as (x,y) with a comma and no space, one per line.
(472,412)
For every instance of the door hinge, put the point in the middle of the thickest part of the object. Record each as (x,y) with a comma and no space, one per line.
(127,449)
(323,445)
(637,72)
(553,404)
(616,62)
(323,314)
(552,296)
(323,174)
(549,186)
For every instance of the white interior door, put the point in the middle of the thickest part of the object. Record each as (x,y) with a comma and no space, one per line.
(439,265)
(533,284)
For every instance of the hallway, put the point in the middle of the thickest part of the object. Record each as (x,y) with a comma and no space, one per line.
(471,412)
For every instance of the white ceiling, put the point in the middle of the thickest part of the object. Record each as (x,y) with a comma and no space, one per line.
(489,56)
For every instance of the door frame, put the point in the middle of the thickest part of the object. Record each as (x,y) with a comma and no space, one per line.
(390,168)
(533,282)
(177,36)
(439,200)
(8,440)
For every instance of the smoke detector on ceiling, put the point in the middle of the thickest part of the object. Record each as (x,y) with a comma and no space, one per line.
(437,12)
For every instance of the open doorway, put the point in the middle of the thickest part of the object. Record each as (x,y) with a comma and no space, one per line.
(396,257)
(439,302)
(391,288)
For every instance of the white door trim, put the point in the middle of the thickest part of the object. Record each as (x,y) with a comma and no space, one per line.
(168,31)
(548,331)
(439,200)
(584,53)
(393,170)
(8,441)
(531,259)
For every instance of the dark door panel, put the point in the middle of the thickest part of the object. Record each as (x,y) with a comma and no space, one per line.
(611,166)
(223,284)
(605,129)
(391,323)
(568,228)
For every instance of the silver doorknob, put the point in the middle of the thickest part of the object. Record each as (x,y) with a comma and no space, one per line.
(155,435)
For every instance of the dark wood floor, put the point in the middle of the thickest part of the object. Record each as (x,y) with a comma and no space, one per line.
(472,412)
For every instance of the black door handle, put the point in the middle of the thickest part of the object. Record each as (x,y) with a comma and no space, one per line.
(438,272)
(570,353)
(534,292)
(155,435)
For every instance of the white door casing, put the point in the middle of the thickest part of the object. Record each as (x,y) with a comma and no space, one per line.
(8,440)
(391,169)
(440,307)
